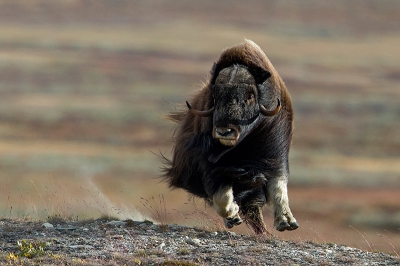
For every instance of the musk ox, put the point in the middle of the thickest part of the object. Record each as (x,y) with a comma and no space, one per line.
(231,145)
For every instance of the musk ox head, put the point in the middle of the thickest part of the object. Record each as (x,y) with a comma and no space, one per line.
(236,108)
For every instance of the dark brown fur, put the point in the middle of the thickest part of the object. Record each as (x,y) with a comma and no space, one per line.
(202,166)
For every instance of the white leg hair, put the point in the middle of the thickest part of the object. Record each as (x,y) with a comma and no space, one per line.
(278,197)
(226,207)
(224,204)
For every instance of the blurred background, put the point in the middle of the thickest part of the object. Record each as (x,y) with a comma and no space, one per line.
(84,85)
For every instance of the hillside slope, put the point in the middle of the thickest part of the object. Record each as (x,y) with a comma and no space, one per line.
(103,242)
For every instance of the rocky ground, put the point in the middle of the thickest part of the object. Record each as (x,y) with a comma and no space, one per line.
(111,242)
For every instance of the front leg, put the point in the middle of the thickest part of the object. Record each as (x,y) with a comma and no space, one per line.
(277,193)
(226,207)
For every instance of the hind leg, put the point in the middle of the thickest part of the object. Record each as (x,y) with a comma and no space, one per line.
(253,217)
(226,207)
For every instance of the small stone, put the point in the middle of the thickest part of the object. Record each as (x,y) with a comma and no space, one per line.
(192,241)
(117,237)
(116,223)
(154,227)
(65,228)
(48,225)
(81,247)
(214,234)
(232,233)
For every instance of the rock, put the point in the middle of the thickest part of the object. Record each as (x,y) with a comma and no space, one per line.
(116,223)
(161,246)
(81,247)
(66,228)
(48,225)
(117,237)
(192,241)
(232,233)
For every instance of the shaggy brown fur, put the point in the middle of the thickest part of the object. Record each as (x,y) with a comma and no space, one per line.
(253,172)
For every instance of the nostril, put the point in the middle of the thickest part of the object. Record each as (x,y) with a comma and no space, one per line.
(224,132)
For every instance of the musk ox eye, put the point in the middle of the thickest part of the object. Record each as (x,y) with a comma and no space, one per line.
(250,99)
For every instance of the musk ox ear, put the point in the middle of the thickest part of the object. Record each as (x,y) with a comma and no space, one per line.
(261,75)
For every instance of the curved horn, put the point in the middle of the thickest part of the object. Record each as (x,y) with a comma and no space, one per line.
(265,112)
(200,113)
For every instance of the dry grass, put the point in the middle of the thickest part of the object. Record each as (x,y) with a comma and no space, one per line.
(157,209)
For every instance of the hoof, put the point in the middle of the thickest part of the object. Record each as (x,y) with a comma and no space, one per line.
(231,222)
(294,225)
(286,226)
